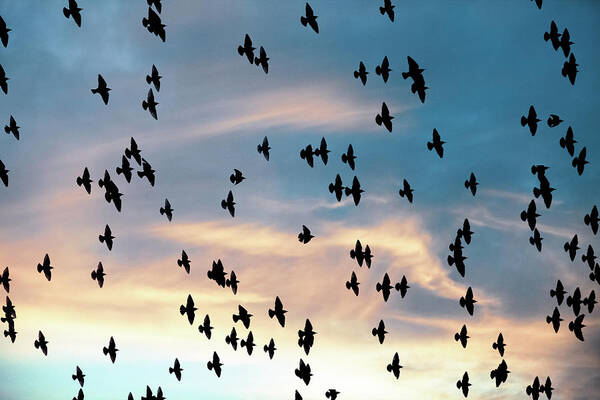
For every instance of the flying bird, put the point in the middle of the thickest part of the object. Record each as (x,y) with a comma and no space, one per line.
(248,343)
(353,284)
(592,219)
(577,326)
(553,36)
(361,73)
(189,310)
(150,105)
(388,9)
(554,120)
(3,80)
(307,154)
(531,120)
(536,240)
(379,332)
(4,173)
(262,60)
(406,191)
(270,349)
(229,204)
(4,32)
(85,181)
(580,161)
(232,339)
(12,127)
(215,364)
(571,247)
(306,337)
(310,18)
(134,151)
(125,169)
(102,89)
(264,148)
(167,210)
(247,49)
(176,369)
(384,118)
(303,372)
(499,344)
(232,282)
(467,301)
(402,286)
(464,384)
(237,177)
(471,184)
(322,151)
(107,237)
(46,267)
(462,336)
(79,376)
(147,172)
(205,328)
(355,191)
(567,142)
(5,279)
(331,394)
(384,69)
(436,144)
(305,236)
(154,24)
(565,42)
(348,157)
(278,312)
(337,187)
(242,315)
(154,78)
(184,261)
(111,350)
(530,215)
(569,69)
(559,292)
(41,343)
(465,232)
(98,275)
(73,11)
(394,366)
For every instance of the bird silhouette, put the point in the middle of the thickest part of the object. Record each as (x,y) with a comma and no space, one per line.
(305,236)
(98,275)
(184,261)
(499,344)
(462,336)
(228,204)
(262,60)
(306,337)
(85,181)
(147,172)
(150,105)
(569,69)
(353,283)
(394,367)
(355,191)
(215,364)
(176,369)
(567,142)
(4,173)
(3,80)
(379,332)
(388,9)
(167,210)
(384,118)
(310,18)
(134,151)
(579,161)
(531,120)
(406,191)
(12,127)
(102,89)
(361,73)
(348,157)
(303,372)
(436,144)
(384,69)
(73,11)
(189,309)
(467,301)
(154,78)
(553,36)
(4,32)
(242,315)
(464,384)
(236,178)
(471,184)
(554,120)
(270,349)
(248,343)
(247,49)
(278,312)
(79,376)
(111,350)
(205,328)
(5,279)
(264,148)
(41,343)
(46,267)
(107,237)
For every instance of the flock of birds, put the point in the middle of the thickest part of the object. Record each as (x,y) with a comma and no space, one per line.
(363,256)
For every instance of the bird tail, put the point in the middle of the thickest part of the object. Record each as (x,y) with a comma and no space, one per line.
(271,313)
(303,21)
(429,145)
(523,120)
(140,174)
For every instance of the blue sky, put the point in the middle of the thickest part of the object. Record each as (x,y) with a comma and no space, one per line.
(485,64)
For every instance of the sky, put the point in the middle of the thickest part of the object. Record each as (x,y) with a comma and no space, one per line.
(485,64)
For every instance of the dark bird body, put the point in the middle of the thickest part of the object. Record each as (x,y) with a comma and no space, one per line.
(215,364)
(228,204)
(436,144)
(361,73)
(189,309)
(531,120)
(102,89)
(472,184)
(567,142)
(98,275)
(85,181)
(306,337)
(248,343)
(310,18)
(167,210)
(150,104)
(353,284)
(41,343)
(154,78)
(264,148)
(125,169)
(337,187)
(247,49)
(147,172)
(73,11)
(79,376)
(355,191)
(176,369)
(305,236)
(3,80)
(569,69)
(184,261)
(348,157)
(111,350)
(243,316)
(278,312)
(468,302)
(236,178)
(205,328)
(379,332)
(388,9)
(462,336)
(384,69)
(406,191)
(384,118)
(107,237)
(12,127)
(394,367)
(46,267)
(464,384)
(303,372)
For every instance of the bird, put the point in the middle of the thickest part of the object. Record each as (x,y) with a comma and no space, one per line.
(46,267)
(156,3)
(355,191)
(322,151)
(310,18)
(107,237)
(554,319)
(232,282)
(12,127)
(189,310)
(270,349)
(559,292)
(102,89)
(264,148)
(465,232)
(11,333)
(125,169)
(4,173)
(384,69)
(184,261)
(402,286)
(467,301)
(567,142)
(384,287)
(592,219)
(154,78)
(553,36)
(79,376)
(73,11)
(379,332)
(237,177)
(41,343)
(384,118)
(154,24)
(134,151)
(569,69)
(248,343)
(500,374)
(348,157)
(536,240)
(436,144)
(413,69)
(111,350)
(147,172)
(531,120)
(457,257)
(150,105)
(167,210)
(337,187)
(394,367)
(565,42)
(590,301)
(306,337)
(307,154)
(303,372)
(262,60)
(589,257)
(571,247)
(530,215)
(361,73)
(574,301)
(217,273)
(353,284)
(471,184)
(229,204)
(580,161)
(98,275)
(406,191)
(176,369)
(576,327)
(85,181)
(554,120)
(499,344)
(464,384)
(331,394)
(278,312)
(242,315)
(387,8)
(232,339)
(305,236)
(462,336)
(3,80)
(205,328)
(215,364)
(247,49)
(4,32)
(5,279)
